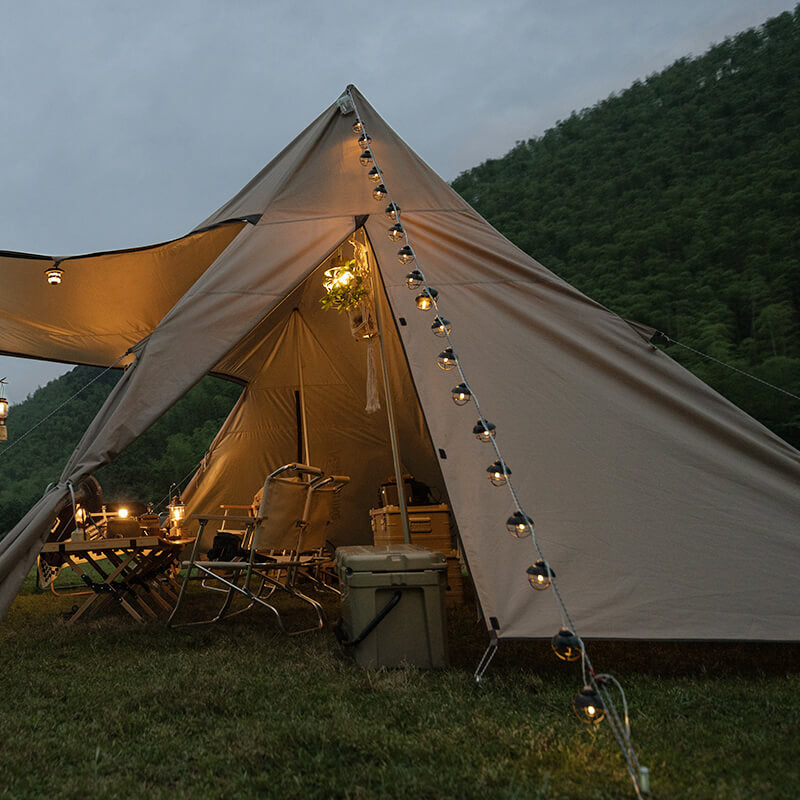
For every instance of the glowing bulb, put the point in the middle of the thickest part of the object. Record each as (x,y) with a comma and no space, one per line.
(80,515)
(414,280)
(364,141)
(405,255)
(122,513)
(365,158)
(519,525)
(392,211)
(54,275)
(588,706)
(425,300)
(566,645)
(3,408)
(379,192)
(484,430)
(461,394)
(176,511)
(336,277)
(540,576)
(441,327)
(446,359)
(498,473)
(358,127)
(396,232)
(374,175)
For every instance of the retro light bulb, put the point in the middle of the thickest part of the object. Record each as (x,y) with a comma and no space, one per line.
(519,525)
(441,327)
(396,232)
(425,300)
(364,141)
(566,645)
(484,430)
(414,279)
(54,275)
(446,359)
(461,394)
(122,512)
(540,576)
(380,192)
(405,255)
(588,706)
(365,158)
(392,212)
(374,175)
(498,473)
(358,127)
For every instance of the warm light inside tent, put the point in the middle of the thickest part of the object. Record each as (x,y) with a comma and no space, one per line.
(54,275)
(337,277)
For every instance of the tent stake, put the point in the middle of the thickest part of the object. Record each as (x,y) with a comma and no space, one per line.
(398,473)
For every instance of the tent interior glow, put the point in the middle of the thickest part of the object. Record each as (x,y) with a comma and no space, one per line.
(626,461)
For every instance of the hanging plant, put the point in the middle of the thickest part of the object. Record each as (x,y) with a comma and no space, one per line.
(345,287)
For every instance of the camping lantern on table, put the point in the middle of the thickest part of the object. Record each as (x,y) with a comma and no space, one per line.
(3,413)
(177,511)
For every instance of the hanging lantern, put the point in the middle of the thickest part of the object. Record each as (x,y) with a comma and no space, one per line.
(484,430)
(396,232)
(176,511)
(414,279)
(540,576)
(441,327)
(380,192)
(358,127)
(405,255)
(519,525)
(392,211)
(588,706)
(566,645)
(3,412)
(425,300)
(54,275)
(364,141)
(498,473)
(461,394)
(340,274)
(365,158)
(446,359)
(374,175)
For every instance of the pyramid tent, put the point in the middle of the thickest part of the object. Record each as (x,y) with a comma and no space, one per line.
(665,511)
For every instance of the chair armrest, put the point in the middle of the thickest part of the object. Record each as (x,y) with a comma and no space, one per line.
(222,518)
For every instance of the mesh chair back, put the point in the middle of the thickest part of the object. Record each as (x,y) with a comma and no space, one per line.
(281,512)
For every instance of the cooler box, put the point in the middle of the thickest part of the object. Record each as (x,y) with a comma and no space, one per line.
(393,605)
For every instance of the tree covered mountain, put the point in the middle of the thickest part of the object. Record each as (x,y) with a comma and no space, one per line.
(675,203)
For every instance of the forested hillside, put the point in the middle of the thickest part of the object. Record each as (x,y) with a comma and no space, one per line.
(675,203)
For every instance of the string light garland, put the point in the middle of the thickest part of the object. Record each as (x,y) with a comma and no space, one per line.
(594,701)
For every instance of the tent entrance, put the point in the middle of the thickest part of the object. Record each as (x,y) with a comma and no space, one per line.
(306,391)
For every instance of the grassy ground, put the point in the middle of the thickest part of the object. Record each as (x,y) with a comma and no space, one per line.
(109,708)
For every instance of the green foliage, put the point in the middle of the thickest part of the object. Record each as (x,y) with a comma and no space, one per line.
(165,453)
(675,203)
(346,296)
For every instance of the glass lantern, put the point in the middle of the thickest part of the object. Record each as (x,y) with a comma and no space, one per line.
(461,394)
(446,360)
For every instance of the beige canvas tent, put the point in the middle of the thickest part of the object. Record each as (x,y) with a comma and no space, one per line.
(665,511)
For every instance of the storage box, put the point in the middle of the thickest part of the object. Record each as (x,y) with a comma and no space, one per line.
(428,526)
(393,605)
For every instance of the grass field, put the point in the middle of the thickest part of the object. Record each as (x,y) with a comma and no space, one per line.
(112,709)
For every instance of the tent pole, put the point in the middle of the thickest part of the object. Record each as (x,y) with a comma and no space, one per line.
(304,423)
(398,473)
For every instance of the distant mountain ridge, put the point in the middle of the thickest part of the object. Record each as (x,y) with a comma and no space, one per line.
(675,203)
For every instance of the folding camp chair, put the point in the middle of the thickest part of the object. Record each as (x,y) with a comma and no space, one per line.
(272,542)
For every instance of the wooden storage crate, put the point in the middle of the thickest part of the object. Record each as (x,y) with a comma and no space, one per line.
(429,527)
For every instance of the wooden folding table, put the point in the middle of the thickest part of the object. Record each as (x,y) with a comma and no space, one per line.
(133,572)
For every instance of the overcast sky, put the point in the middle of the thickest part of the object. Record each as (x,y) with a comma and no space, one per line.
(127,123)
